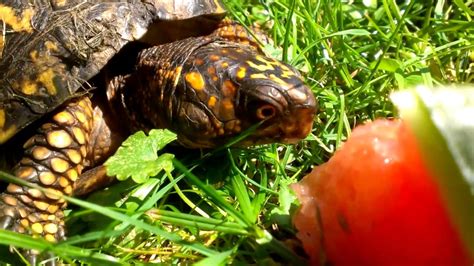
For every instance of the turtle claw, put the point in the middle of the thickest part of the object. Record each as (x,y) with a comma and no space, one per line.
(52,263)
(34,258)
(6,222)
(31,257)
(11,220)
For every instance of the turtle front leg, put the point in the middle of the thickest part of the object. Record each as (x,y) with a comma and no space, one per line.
(54,158)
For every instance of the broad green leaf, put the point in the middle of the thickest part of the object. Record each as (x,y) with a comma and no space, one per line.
(387,64)
(407,81)
(138,158)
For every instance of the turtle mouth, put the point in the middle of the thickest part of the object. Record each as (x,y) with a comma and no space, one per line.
(282,119)
(291,118)
(290,129)
(262,116)
(297,126)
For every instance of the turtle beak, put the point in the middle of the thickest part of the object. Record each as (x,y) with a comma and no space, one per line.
(289,129)
(297,125)
(293,120)
(298,122)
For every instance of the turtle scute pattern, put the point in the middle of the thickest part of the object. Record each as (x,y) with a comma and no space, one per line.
(50,49)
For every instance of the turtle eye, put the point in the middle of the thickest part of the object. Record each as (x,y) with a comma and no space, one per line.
(266,111)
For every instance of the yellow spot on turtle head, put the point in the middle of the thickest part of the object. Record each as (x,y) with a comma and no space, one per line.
(258,76)
(245,42)
(288,74)
(212,102)
(224,64)
(264,59)
(278,80)
(265,67)
(195,80)
(227,104)
(284,67)
(241,72)
(229,89)
(214,57)
(220,130)
(22,22)
(198,61)
(211,70)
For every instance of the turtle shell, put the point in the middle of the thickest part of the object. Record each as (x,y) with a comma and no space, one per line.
(50,49)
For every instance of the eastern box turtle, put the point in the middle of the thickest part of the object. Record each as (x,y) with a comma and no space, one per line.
(78,77)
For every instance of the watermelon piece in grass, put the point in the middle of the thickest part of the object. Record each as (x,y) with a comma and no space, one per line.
(398,192)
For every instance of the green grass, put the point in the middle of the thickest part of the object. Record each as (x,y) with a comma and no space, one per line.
(232,205)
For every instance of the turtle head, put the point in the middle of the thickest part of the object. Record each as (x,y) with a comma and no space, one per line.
(272,94)
(231,88)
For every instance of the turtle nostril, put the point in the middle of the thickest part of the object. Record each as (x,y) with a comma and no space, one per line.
(265,112)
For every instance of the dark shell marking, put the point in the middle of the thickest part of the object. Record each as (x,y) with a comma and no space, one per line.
(50,49)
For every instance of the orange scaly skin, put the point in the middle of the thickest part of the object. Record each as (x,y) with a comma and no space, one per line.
(377,205)
(53,158)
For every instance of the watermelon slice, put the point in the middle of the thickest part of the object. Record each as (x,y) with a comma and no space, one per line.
(398,192)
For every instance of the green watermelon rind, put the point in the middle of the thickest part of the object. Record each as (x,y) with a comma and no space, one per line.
(440,120)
